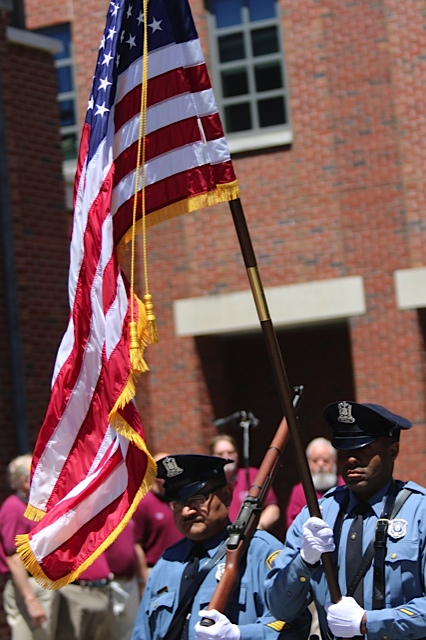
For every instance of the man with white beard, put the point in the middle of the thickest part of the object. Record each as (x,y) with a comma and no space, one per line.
(321,457)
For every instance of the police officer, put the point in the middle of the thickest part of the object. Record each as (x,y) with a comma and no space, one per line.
(374,527)
(199,496)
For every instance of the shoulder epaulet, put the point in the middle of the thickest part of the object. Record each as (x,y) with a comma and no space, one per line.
(415,488)
(169,553)
(335,491)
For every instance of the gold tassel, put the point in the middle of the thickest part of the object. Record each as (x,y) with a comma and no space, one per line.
(136,352)
(151,328)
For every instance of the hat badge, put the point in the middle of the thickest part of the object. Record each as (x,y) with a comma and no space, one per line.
(172,468)
(345,413)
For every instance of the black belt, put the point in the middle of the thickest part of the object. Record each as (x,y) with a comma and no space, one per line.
(92,583)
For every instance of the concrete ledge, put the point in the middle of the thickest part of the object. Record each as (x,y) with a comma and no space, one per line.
(35,40)
(410,288)
(290,305)
(257,141)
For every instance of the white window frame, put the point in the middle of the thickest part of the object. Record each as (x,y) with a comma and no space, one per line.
(257,137)
(67,95)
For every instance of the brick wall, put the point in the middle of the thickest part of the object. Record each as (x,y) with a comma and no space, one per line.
(40,229)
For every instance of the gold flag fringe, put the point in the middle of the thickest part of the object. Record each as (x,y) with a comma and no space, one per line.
(140,338)
(33,513)
(23,543)
(222,193)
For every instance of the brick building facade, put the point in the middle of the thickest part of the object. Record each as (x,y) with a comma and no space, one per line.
(337,220)
(35,239)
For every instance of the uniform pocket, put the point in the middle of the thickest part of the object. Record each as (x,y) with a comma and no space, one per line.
(160,611)
(403,577)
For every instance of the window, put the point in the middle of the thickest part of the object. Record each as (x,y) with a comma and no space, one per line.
(248,72)
(67,99)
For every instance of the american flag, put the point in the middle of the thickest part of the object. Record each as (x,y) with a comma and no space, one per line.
(90,472)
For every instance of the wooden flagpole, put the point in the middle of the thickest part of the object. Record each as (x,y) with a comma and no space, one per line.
(281,380)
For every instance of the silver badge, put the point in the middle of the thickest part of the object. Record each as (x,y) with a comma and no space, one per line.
(220,570)
(397,528)
(345,412)
(172,467)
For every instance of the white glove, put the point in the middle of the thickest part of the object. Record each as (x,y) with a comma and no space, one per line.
(344,618)
(222,629)
(317,538)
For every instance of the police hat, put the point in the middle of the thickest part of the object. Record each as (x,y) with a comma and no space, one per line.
(358,425)
(185,475)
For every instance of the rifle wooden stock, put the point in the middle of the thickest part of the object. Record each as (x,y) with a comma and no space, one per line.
(243,528)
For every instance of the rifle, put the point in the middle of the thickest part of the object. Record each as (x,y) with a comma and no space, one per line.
(243,528)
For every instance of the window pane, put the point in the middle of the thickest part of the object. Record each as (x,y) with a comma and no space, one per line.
(271,112)
(238,117)
(69,146)
(67,113)
(268,76)
(231,47)
(234,82)
(64,77)
(228,13)
(261,9)
(264,41)
(62,33)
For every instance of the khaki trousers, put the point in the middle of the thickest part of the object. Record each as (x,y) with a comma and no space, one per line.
(85,613)
(17,616)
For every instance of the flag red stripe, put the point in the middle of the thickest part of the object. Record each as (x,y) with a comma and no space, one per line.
(162,87)
(172,190)
(69,373)
(70,555)
(111,381)
(161,141)
(212,127)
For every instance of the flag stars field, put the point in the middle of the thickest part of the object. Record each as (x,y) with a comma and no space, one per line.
(101,110)
(107,58)
(104,84)
(131,41)
(155,25)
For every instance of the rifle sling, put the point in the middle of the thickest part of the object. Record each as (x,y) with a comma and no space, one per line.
(377,548)
(177,623)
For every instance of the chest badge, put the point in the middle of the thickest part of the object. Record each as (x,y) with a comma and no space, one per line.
(397,528)
(220,570)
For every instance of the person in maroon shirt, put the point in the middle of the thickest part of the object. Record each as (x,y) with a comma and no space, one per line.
(155,529)
(31,611)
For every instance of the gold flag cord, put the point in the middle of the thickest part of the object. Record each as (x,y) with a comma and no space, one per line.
(151,329)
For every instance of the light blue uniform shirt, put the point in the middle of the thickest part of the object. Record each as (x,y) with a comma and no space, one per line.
(292,584)
(247,607)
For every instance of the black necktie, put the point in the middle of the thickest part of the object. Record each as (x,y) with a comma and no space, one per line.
(354,548)
(197,552)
